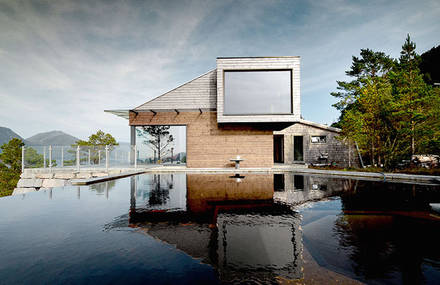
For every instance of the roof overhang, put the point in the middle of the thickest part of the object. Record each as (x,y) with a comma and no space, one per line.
(123,113)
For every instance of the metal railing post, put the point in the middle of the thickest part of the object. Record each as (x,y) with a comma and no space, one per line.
(50,158)
(106,158)
(77,158)
(89,156)
(135,157)
(62,156)
(44,157)
(22,159)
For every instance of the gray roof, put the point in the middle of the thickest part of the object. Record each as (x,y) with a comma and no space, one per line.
(320,126)
(199,93)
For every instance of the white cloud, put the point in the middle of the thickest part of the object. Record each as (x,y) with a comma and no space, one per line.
(64,62)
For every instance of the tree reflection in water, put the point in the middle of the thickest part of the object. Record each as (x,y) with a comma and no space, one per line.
(159,195)
(250,231)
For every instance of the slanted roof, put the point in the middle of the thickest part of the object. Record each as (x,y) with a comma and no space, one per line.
(320,126)
(199,93)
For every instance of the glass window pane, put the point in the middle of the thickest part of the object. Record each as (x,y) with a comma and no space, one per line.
(257,92)
(161,144)
(318,139)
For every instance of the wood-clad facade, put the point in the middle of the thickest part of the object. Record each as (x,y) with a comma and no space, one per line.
(210,145)
(214,137)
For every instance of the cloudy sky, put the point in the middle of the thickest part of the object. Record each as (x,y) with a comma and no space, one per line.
(63,62)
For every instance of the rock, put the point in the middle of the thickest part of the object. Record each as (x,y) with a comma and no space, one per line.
(426,160)
(83,175)
(48,175)
(27,175)
(29,183)
(48,183)
(65,175)
(44,189)
(18,191)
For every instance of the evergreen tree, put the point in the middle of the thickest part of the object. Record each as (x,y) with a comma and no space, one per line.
(95,143)
(412,96)
(10,165)
(370,64)
(157,138)
(388,108)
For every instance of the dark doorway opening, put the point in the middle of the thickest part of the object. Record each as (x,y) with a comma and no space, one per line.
(298,182)
(278,182)
(278,148)
(298,148)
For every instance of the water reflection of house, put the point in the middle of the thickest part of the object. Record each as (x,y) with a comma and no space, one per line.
(235,226)
(297,189)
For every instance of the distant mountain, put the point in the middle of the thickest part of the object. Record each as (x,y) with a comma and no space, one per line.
(51,138)
(6,134)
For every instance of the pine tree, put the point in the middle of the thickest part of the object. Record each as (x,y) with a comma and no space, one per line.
(411,94)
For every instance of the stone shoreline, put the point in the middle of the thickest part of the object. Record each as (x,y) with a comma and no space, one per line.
(43,178)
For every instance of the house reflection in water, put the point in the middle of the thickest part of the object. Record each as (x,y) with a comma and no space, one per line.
(297,189)
(231,224)
(247,229)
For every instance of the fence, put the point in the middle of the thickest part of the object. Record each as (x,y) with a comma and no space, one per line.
(105,157)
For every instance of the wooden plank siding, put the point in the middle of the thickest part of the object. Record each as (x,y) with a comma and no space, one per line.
(199,93)
(338,150)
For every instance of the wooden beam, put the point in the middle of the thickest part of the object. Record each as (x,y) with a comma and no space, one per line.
(135,113)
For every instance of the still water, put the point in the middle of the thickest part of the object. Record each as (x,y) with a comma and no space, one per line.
(216,228)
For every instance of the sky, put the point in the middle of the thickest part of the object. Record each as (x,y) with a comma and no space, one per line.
(63,62)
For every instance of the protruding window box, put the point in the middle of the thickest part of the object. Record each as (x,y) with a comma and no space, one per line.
(258,90)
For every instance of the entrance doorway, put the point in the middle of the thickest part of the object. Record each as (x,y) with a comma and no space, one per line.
(298,148)
(278,148)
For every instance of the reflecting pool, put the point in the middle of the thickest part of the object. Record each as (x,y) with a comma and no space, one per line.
(181,228)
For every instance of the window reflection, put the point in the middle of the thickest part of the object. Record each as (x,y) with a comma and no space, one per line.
(161,144)
(257,92)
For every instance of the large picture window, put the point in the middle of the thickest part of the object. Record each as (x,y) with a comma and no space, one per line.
(257,92)
(161,144)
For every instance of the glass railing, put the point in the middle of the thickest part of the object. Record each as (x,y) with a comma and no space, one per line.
(103,156)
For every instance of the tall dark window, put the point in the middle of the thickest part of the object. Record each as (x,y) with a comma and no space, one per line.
(257,92)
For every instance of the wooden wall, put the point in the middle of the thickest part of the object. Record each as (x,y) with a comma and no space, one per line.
(210,145)
(205,188)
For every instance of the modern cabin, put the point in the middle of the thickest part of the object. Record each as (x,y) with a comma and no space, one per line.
(248,107)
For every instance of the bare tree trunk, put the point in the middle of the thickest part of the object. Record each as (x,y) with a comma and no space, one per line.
(412,138)
(158,147)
